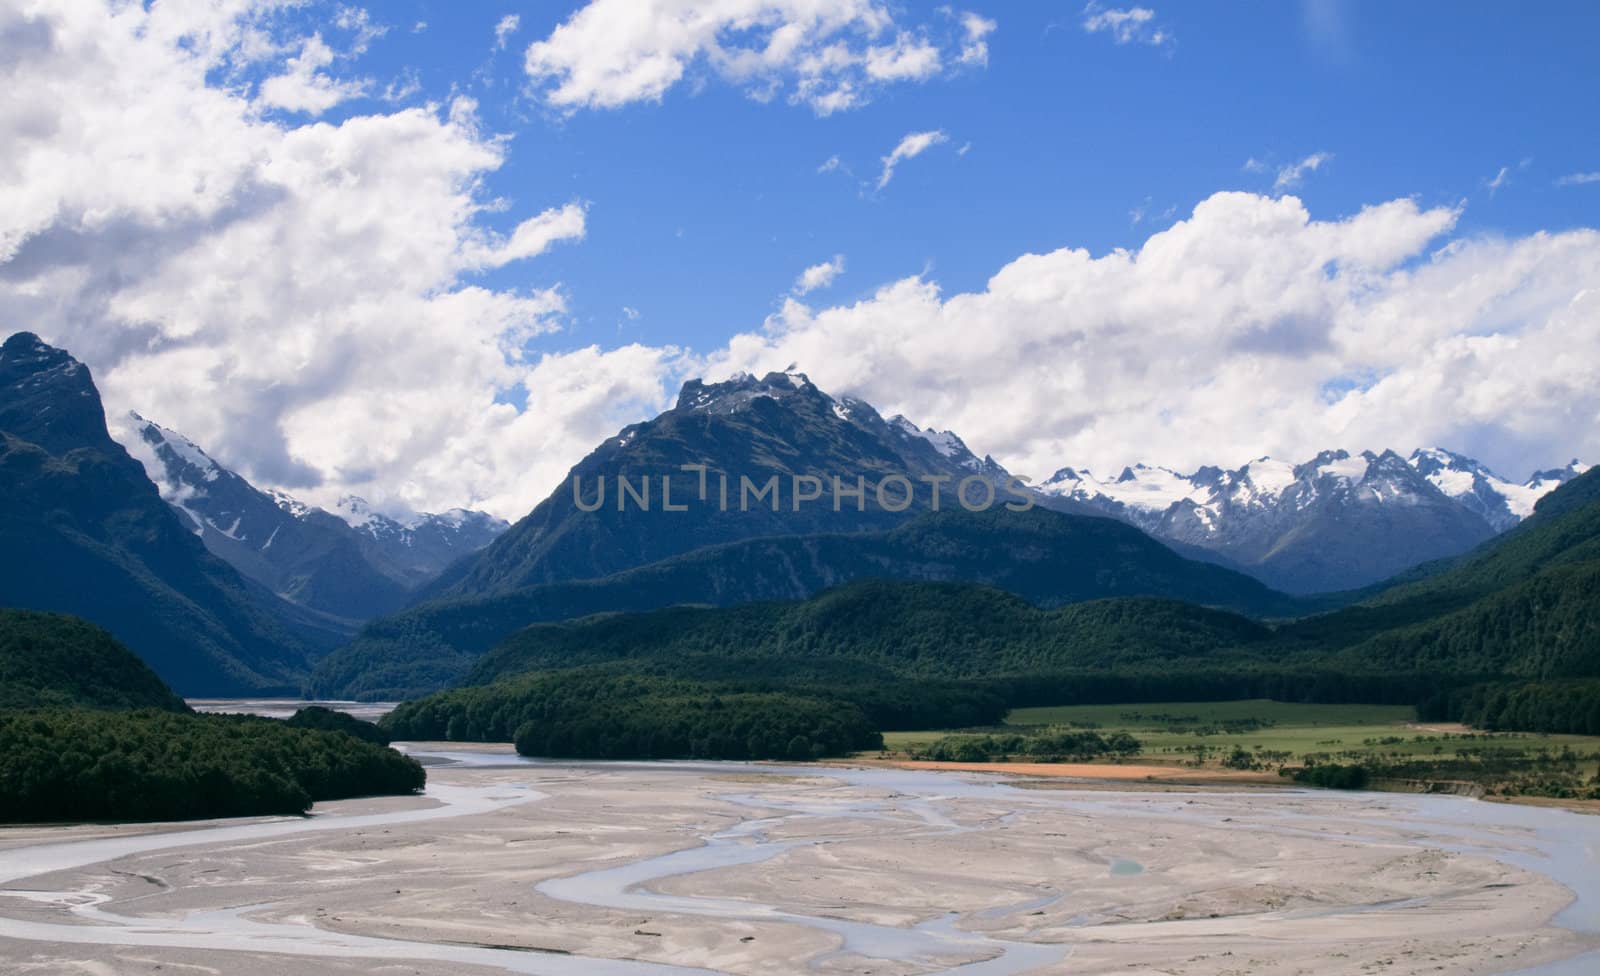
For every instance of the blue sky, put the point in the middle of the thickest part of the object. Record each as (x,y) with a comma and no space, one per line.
(705,206)
(433,253)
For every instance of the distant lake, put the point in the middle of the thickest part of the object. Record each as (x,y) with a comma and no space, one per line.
(285,707)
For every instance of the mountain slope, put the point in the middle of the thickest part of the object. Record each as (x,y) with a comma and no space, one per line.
(356,564)
(1526,605)
(1045,557)
(97,541)
(912,629)
(777,427)
(50,660)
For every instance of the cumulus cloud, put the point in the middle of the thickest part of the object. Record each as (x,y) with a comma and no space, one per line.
(299,297)
(304,86)
(819,275)
(1248,328)
(914,144)
(1135,25)
(830,55)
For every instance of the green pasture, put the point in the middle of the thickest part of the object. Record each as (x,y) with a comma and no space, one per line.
(1171,731)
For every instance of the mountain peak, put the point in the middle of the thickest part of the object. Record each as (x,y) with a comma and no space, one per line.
(742,387)
(47,397)
(188,463)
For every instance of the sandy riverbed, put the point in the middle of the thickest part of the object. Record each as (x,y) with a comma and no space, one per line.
(819,869)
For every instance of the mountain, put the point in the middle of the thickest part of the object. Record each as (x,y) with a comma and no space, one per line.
(1046,557)
(1525,606)
(1501,503)
(353,563)
(1336,522)
(1508,636)
(51,660)
(416,549)
(771,434)
(89,535)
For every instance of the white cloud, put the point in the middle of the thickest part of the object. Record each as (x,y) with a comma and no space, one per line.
(531,238)
(830,55)
(975,46)
(1135,25)
(1500,179)
(504,29)
(1248,328)
(914,144)
(296,296)
(830,164)
(1578,179)
(1290,175)
(907,59)
(819,275)
(304,87)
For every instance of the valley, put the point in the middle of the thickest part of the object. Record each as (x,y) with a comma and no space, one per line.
(774,487)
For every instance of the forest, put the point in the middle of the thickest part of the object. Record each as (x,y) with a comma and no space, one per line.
(613,714)
(149,764)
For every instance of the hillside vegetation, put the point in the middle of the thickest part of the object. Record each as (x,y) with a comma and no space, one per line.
(924,630)
(1047,558)
(52,660)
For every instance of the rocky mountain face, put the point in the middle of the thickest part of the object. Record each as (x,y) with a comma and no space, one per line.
(86,533)
(771,449)
(354,563)
(1334,522)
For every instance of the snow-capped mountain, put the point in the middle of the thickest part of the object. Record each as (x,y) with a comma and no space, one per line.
(433,536)
(353,562)
(1333,522)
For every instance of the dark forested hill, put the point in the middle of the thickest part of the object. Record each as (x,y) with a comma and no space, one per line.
(924,630)
(85,532)
(1046,557)
(50,660)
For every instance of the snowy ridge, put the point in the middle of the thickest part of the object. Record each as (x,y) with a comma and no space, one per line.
(944,441)
(210,495)
(1216,496)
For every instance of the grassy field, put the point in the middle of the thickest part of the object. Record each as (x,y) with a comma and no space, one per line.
(1278,734)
